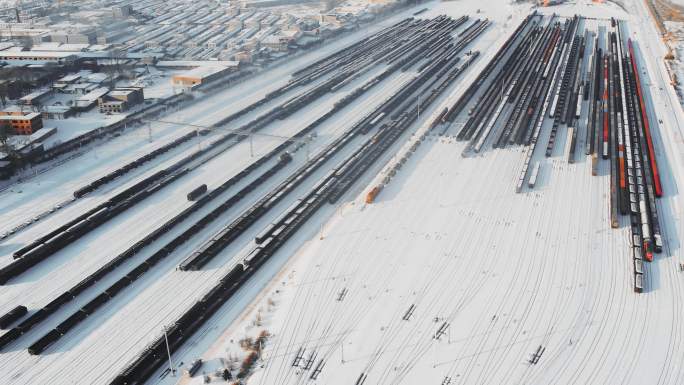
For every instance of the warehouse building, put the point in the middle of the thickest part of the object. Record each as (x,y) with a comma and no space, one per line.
(36,98)
(31,57)
(75,37)
(88,100)
(120,100)
(198,76)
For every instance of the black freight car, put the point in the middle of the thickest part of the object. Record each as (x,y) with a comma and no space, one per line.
(196,193)
(12,316)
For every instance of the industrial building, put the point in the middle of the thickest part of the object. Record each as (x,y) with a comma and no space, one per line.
(120,99)
(36,98)
(198,76)
(36,57)
(88,100)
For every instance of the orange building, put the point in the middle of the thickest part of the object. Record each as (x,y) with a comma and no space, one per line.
(198,75)
(22,123)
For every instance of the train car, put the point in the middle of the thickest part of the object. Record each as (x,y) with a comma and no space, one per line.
(578,107)
(372,194)
(639,266)
(638,283)
(534,175)
(197,192)
(194,367)
(12,316)
(71,321)
(265,233)
(377,118)
(253,254)
(43,343)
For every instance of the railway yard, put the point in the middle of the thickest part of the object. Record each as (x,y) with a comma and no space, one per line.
(463,193)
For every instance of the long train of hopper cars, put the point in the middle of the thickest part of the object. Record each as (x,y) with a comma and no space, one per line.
(564,87)
(478,116)
(640,179)
(383,37)
(371,51)
(544,95)
(429,34)
(360,162)
(94,185)
(646,126)
(154,355)
(630,160)
(525,87)
(208,251)
(226,235)
(90,307)
(463,100)
(528,69)
(533,94)
(48,244)
(110,266)
(349,53)
(512,75)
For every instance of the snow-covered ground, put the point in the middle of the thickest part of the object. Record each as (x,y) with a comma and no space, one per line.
(508,273)
(448,238)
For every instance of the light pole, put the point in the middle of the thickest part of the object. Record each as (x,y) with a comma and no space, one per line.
(168,351)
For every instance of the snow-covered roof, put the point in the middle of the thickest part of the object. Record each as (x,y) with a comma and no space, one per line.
(93,95)
(69,78)
(35,95)
(201,72)
(29,115)
(196,63)
(59,47)
(31,54)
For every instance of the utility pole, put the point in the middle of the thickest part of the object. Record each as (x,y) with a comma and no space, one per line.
(168,350)
(261,358)
(199,140)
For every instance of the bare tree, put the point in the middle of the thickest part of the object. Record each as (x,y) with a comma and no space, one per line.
(26,43)
(5,147)
(113,67)
(4,93)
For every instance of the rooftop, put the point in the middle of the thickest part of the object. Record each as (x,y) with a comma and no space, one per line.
(94,95)
(29,54)
(197,63)
(29,115)
(201,72)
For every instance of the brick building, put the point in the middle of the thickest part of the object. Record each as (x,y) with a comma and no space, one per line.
(21,123)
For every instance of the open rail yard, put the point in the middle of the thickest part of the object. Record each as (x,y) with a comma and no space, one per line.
(465,192)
